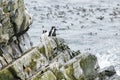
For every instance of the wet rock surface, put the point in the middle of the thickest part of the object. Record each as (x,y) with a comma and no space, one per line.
(51,60)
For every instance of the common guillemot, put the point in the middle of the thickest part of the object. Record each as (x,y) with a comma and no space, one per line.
(51,31)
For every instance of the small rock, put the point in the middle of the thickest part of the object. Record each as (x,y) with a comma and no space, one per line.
(108,71)
(88,64)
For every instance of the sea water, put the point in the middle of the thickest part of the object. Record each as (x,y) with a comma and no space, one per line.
(79,23)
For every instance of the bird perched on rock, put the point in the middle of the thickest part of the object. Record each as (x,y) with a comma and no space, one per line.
(51,31)
(54,32)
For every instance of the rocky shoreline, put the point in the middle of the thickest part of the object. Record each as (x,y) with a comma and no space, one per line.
(52,60)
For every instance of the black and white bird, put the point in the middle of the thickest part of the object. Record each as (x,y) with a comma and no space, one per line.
(54,32)
(51,31)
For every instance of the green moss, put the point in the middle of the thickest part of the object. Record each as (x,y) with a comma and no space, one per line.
(70,72)
(58,74)
(12,71)
(5,9)
(32,64)
(48,76)
(81,77)
(36,78)
(35,56)
(6,75)
(9,74)
(42,50)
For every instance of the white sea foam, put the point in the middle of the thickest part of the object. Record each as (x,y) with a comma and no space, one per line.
(101,38)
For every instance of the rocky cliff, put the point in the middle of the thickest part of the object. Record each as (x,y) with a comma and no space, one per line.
(52,60)
(14,23)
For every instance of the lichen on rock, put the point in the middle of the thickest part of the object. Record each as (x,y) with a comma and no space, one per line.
(51,60)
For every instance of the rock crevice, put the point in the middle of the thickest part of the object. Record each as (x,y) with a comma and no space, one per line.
(14,24)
